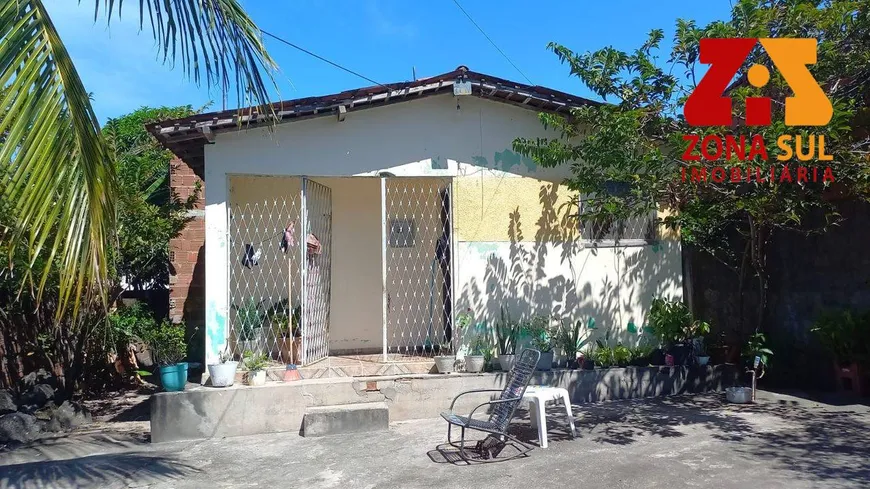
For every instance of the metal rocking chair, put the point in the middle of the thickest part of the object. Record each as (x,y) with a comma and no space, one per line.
(500,415)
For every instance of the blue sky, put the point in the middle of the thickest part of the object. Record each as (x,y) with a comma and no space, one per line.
(382,39)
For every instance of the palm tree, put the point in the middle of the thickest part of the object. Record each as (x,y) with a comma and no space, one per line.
(57,181)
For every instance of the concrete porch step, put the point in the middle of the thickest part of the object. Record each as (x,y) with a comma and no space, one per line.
(346,418)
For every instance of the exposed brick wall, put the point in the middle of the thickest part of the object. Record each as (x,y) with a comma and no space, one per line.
(187,253)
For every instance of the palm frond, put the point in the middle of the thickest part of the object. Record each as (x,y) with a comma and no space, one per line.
(212,40)
(58,178)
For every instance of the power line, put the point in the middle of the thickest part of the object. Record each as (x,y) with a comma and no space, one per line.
(321,58)
(492,42)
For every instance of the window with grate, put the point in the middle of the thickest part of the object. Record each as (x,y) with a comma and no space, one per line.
(634,231)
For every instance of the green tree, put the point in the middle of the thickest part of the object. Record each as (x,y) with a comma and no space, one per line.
(636,137)
(59,179)
(77,346)
(148,214)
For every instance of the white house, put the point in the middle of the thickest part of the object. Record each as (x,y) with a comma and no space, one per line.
(382,212)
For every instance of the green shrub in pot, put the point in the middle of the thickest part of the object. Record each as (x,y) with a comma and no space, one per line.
(542,338)
(571,339)
(507,332)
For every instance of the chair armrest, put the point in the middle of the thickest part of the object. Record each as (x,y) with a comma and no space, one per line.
(497,401)
(475,391)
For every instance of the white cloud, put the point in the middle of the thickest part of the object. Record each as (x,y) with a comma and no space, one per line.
(385,25)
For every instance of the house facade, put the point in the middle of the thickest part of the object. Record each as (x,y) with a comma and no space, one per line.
(365,222)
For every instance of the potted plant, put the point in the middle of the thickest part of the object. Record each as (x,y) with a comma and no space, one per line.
(641,355)
(248,327)
(256,365)
(223,373)
(169,347)
(507,332)
(572,339)
(701,353)
(288,332)
(476,340)
(542,340)
(602,355)
(673,323)
(846,336)
(621,355)
(476,358)
(445,362)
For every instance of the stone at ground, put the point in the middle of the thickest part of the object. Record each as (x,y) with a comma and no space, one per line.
(67,416)
(38,395)
(7,402)
(18,427)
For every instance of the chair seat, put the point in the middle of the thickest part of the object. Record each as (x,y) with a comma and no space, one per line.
(466,422)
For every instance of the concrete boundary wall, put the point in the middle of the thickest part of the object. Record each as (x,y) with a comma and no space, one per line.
(205,412)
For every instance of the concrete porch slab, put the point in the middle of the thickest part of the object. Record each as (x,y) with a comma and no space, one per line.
(206,412)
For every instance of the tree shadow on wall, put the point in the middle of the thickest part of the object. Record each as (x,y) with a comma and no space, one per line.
(553,272)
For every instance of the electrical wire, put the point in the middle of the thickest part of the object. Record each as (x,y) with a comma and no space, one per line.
(321,58)
(492,42)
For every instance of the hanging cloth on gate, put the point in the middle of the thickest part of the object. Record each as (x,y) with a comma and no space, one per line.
(314,246)
(287,238)
(251,256)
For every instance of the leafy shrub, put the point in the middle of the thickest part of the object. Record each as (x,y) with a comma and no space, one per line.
(572,339)
(845,334)
(621,355)
(249,319)
(507,333)
(672,322)
(167,342)
(757,347)
(541,334)
(255,362)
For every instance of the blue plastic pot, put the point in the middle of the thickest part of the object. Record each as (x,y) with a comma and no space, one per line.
(173,377)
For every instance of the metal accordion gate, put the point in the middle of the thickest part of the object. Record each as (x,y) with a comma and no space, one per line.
(279,275)
(417,221)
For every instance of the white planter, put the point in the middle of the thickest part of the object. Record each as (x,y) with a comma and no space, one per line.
(739,395)
(506,362)
(445,363)
(545,363)
(257,377)
(474,363)
(703,361)
(222,374)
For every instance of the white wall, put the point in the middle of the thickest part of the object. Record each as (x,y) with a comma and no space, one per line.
(429,137)
(356,306)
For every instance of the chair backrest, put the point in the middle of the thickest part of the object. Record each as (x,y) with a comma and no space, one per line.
(517,381)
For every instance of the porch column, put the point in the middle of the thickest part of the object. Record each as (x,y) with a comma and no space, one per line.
(384,239)
(217,254)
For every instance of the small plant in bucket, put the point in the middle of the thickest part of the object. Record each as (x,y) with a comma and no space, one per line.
(445,361)
(223,373)
(542,339)
(572,339)
(478,347)
(256,365)
(169,346)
